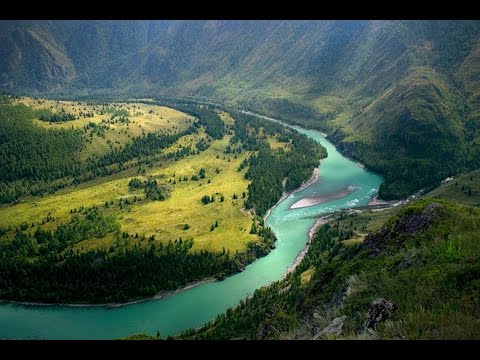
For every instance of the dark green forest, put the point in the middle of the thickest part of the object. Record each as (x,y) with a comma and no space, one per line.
(43,265)
(32,153)
(269,168)
(48,116)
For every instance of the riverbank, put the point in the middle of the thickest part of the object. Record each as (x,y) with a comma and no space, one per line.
(159,295)
(376,201)
(326,219)
(321,221)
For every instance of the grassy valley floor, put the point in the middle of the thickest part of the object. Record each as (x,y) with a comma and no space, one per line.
(160,194)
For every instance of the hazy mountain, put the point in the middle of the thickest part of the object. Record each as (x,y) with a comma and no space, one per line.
(401,96)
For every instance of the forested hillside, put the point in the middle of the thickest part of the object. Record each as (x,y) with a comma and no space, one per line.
(400,96)
(407,273)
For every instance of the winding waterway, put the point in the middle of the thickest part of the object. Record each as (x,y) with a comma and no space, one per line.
(195,306)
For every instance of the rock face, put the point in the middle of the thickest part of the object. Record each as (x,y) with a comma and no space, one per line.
(380,310)
(409,223)
(334,328)
(413,223)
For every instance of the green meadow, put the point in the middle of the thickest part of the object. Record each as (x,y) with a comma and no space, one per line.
(182,214)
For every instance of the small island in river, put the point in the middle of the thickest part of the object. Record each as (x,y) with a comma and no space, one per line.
(315,200)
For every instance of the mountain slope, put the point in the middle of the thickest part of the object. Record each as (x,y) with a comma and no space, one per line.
(464,189)
(400,96)
(32,57)
(414,277)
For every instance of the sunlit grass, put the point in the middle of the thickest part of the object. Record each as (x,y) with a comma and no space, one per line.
(164,219)
(143,119)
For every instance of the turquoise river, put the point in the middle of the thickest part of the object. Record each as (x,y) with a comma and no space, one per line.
(197,305)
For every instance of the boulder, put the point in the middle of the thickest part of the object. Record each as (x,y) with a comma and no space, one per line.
(380,310)
(334,328)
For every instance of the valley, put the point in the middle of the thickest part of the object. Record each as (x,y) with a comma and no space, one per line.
(191,201)
(199,304)
(344,243)
(239,179)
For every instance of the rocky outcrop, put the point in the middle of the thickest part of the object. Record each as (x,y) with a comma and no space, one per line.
(380,310)
(409,223)
(333,329)
(284,290)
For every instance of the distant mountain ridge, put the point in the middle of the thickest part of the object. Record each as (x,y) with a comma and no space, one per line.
(401,96)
